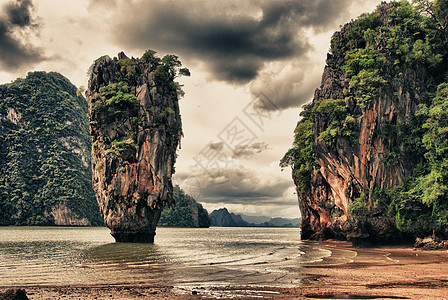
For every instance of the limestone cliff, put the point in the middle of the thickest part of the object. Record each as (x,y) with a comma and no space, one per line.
(45,172)
(362,134)
(136,128)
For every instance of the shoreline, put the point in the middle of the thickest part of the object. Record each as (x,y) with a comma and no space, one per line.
(387,272)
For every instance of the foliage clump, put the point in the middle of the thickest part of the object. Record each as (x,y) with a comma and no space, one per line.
(166,69)
(117,106)
(115,98)
(301,156)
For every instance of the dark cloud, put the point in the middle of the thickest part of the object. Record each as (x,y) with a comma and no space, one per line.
(237,186)
(234,39)
(16,26)
(290,85)
(19,12)
(248,151)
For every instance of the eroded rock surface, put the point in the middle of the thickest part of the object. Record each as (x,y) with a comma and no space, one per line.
(136,128)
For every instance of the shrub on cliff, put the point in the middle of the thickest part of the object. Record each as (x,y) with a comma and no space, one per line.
(166,69)
(301,156)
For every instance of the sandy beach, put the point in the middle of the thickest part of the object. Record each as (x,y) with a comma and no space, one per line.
(387,272)
(349,273)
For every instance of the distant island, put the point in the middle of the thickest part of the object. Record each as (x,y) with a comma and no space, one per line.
(191,214)
(223,218)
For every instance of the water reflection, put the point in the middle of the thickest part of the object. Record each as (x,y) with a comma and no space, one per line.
(125,254)
(61,256)
(127,263)
(44,262)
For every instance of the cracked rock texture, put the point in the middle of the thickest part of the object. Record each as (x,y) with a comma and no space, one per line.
(134,144)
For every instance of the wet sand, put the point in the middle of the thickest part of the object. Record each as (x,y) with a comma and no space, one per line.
(349,273)
(381,272)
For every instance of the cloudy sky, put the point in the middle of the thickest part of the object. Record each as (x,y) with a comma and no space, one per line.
(253,65)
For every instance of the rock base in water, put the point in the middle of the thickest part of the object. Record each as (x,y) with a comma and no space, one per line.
(134,237)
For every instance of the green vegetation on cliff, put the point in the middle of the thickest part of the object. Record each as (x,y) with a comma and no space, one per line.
(187,213)
(373,56)
(45,175)
(117,105)
(301,155)
(421,203)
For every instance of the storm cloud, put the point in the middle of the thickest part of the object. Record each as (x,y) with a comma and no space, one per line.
(234,39)
(17,26)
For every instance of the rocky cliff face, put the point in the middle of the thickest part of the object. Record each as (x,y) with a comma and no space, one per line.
(362,128)
(136,128)
(348,170)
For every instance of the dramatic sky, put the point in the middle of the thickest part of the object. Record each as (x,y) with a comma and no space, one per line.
(253,65)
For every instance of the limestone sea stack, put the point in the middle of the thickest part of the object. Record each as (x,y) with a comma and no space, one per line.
(136,128)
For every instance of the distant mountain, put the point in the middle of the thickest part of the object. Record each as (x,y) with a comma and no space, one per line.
(255,219)
(283,222)
(223,218)
(239,221)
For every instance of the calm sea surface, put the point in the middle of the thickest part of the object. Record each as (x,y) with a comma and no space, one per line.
(179,257)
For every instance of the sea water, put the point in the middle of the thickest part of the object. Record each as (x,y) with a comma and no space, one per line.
(182,257)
